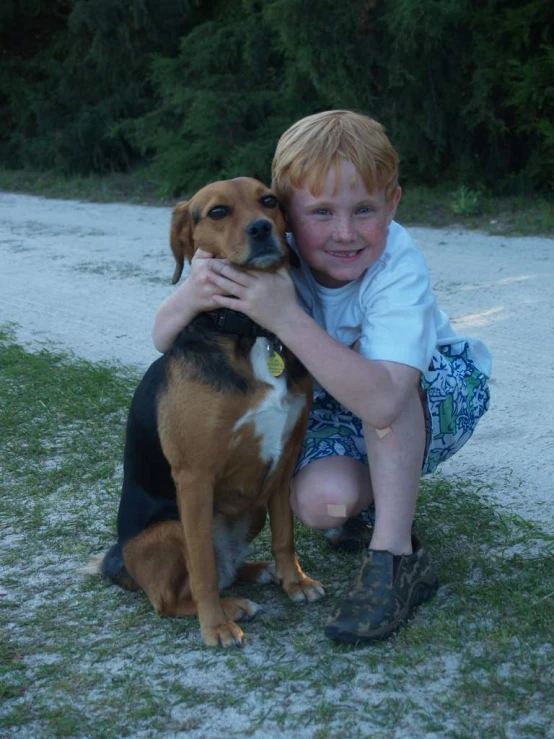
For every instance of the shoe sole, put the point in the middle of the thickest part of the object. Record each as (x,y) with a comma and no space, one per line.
(422,593)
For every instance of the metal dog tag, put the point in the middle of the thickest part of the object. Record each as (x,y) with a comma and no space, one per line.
(275,362)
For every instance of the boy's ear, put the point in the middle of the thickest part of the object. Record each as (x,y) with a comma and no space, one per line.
(181,238)
(394,203)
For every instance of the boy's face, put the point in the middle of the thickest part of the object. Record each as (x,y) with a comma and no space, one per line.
(340,234)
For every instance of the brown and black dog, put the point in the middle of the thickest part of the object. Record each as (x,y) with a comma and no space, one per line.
(213,434)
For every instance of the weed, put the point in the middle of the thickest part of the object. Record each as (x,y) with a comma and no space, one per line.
(465,202)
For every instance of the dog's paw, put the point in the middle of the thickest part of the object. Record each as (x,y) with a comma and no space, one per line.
(239,609)
(267,574)
(304,590)
(227,634)
(261,573)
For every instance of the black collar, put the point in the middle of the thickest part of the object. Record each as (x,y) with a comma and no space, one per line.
(233,322)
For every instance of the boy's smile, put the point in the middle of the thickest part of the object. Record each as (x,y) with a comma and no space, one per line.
(342,230)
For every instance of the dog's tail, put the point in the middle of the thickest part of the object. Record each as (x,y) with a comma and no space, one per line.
(110,564)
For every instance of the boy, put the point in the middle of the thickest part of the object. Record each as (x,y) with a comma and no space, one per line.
(396,391)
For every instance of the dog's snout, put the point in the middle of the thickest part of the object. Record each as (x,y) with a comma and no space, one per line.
(264,249)
(259,228)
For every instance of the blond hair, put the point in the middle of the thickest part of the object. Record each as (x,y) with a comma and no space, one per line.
(310,147)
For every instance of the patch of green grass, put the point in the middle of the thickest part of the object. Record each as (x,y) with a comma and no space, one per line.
(138,187)
(115,270)
(81,657)
(446,205)
(465,206)
(466,202)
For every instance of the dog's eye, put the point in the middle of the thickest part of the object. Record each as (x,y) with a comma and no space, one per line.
(268,201)
(218,212)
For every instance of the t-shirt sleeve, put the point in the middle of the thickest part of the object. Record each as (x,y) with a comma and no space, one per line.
(398,310)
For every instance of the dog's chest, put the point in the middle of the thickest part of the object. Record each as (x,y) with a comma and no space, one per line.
(276,414)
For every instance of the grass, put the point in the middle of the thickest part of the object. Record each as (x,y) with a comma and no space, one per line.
(477,209)
(82,658)
(140,187)
(447,205)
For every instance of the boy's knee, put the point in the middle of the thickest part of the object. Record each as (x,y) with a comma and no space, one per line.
(322,507)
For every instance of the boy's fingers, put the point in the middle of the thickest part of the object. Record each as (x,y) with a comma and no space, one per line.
(217,266)
(225,302)
(229,287)
(201,254)
(221,268)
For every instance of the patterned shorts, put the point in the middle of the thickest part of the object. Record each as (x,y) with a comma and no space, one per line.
(457,395)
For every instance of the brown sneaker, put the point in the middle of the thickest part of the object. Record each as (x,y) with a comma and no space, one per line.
(353,535)
(388,589)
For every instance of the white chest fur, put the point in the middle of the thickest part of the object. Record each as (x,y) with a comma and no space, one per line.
(277,414)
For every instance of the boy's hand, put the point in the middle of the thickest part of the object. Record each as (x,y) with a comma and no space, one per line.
(268,298)
(199,286)
(195,295)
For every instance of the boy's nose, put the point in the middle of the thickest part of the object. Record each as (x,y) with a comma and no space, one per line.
(344,230)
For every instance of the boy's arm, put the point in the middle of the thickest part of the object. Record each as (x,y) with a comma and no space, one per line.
(373,390)
(173,315)
(195,295)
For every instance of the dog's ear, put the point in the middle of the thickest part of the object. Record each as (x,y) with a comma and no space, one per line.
(294,261)
(180,238)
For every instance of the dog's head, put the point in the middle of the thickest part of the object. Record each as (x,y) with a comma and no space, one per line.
(238,220)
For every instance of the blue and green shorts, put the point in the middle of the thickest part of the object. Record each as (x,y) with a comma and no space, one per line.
(456,395)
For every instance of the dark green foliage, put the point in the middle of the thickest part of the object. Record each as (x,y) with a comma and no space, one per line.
(74,69)
(222,101)
(514,89)
(460,99)
(204,88)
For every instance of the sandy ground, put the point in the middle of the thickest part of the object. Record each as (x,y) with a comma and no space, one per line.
(88,278)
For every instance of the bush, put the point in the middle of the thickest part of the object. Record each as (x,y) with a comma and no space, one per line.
(71,71)
(451,81)
(205,88)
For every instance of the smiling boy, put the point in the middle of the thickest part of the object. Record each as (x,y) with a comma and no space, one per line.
(396,390)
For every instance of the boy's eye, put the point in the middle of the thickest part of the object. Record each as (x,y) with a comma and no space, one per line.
(366,210)
(268,201)
(322,211)
(218,212)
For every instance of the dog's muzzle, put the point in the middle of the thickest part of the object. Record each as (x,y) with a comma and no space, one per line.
(264,249)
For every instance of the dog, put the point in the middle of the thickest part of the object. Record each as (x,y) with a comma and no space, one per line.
(213,434)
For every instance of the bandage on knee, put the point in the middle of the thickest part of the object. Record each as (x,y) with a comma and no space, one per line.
(381,433)
(336,511)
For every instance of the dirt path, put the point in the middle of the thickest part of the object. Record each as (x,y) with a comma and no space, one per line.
(88,278)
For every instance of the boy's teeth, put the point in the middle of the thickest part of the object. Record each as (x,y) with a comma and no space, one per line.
(343,253)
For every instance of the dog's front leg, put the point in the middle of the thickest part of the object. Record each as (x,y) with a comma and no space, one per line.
(295,583)
(195,499)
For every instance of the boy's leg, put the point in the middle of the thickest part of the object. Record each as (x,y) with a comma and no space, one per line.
(331,484)
(328,494)
(396,575)
(330,490)
(395,461)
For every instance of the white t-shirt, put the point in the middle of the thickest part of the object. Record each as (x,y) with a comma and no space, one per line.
(390,309)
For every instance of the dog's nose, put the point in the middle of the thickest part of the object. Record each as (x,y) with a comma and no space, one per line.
(259,229)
